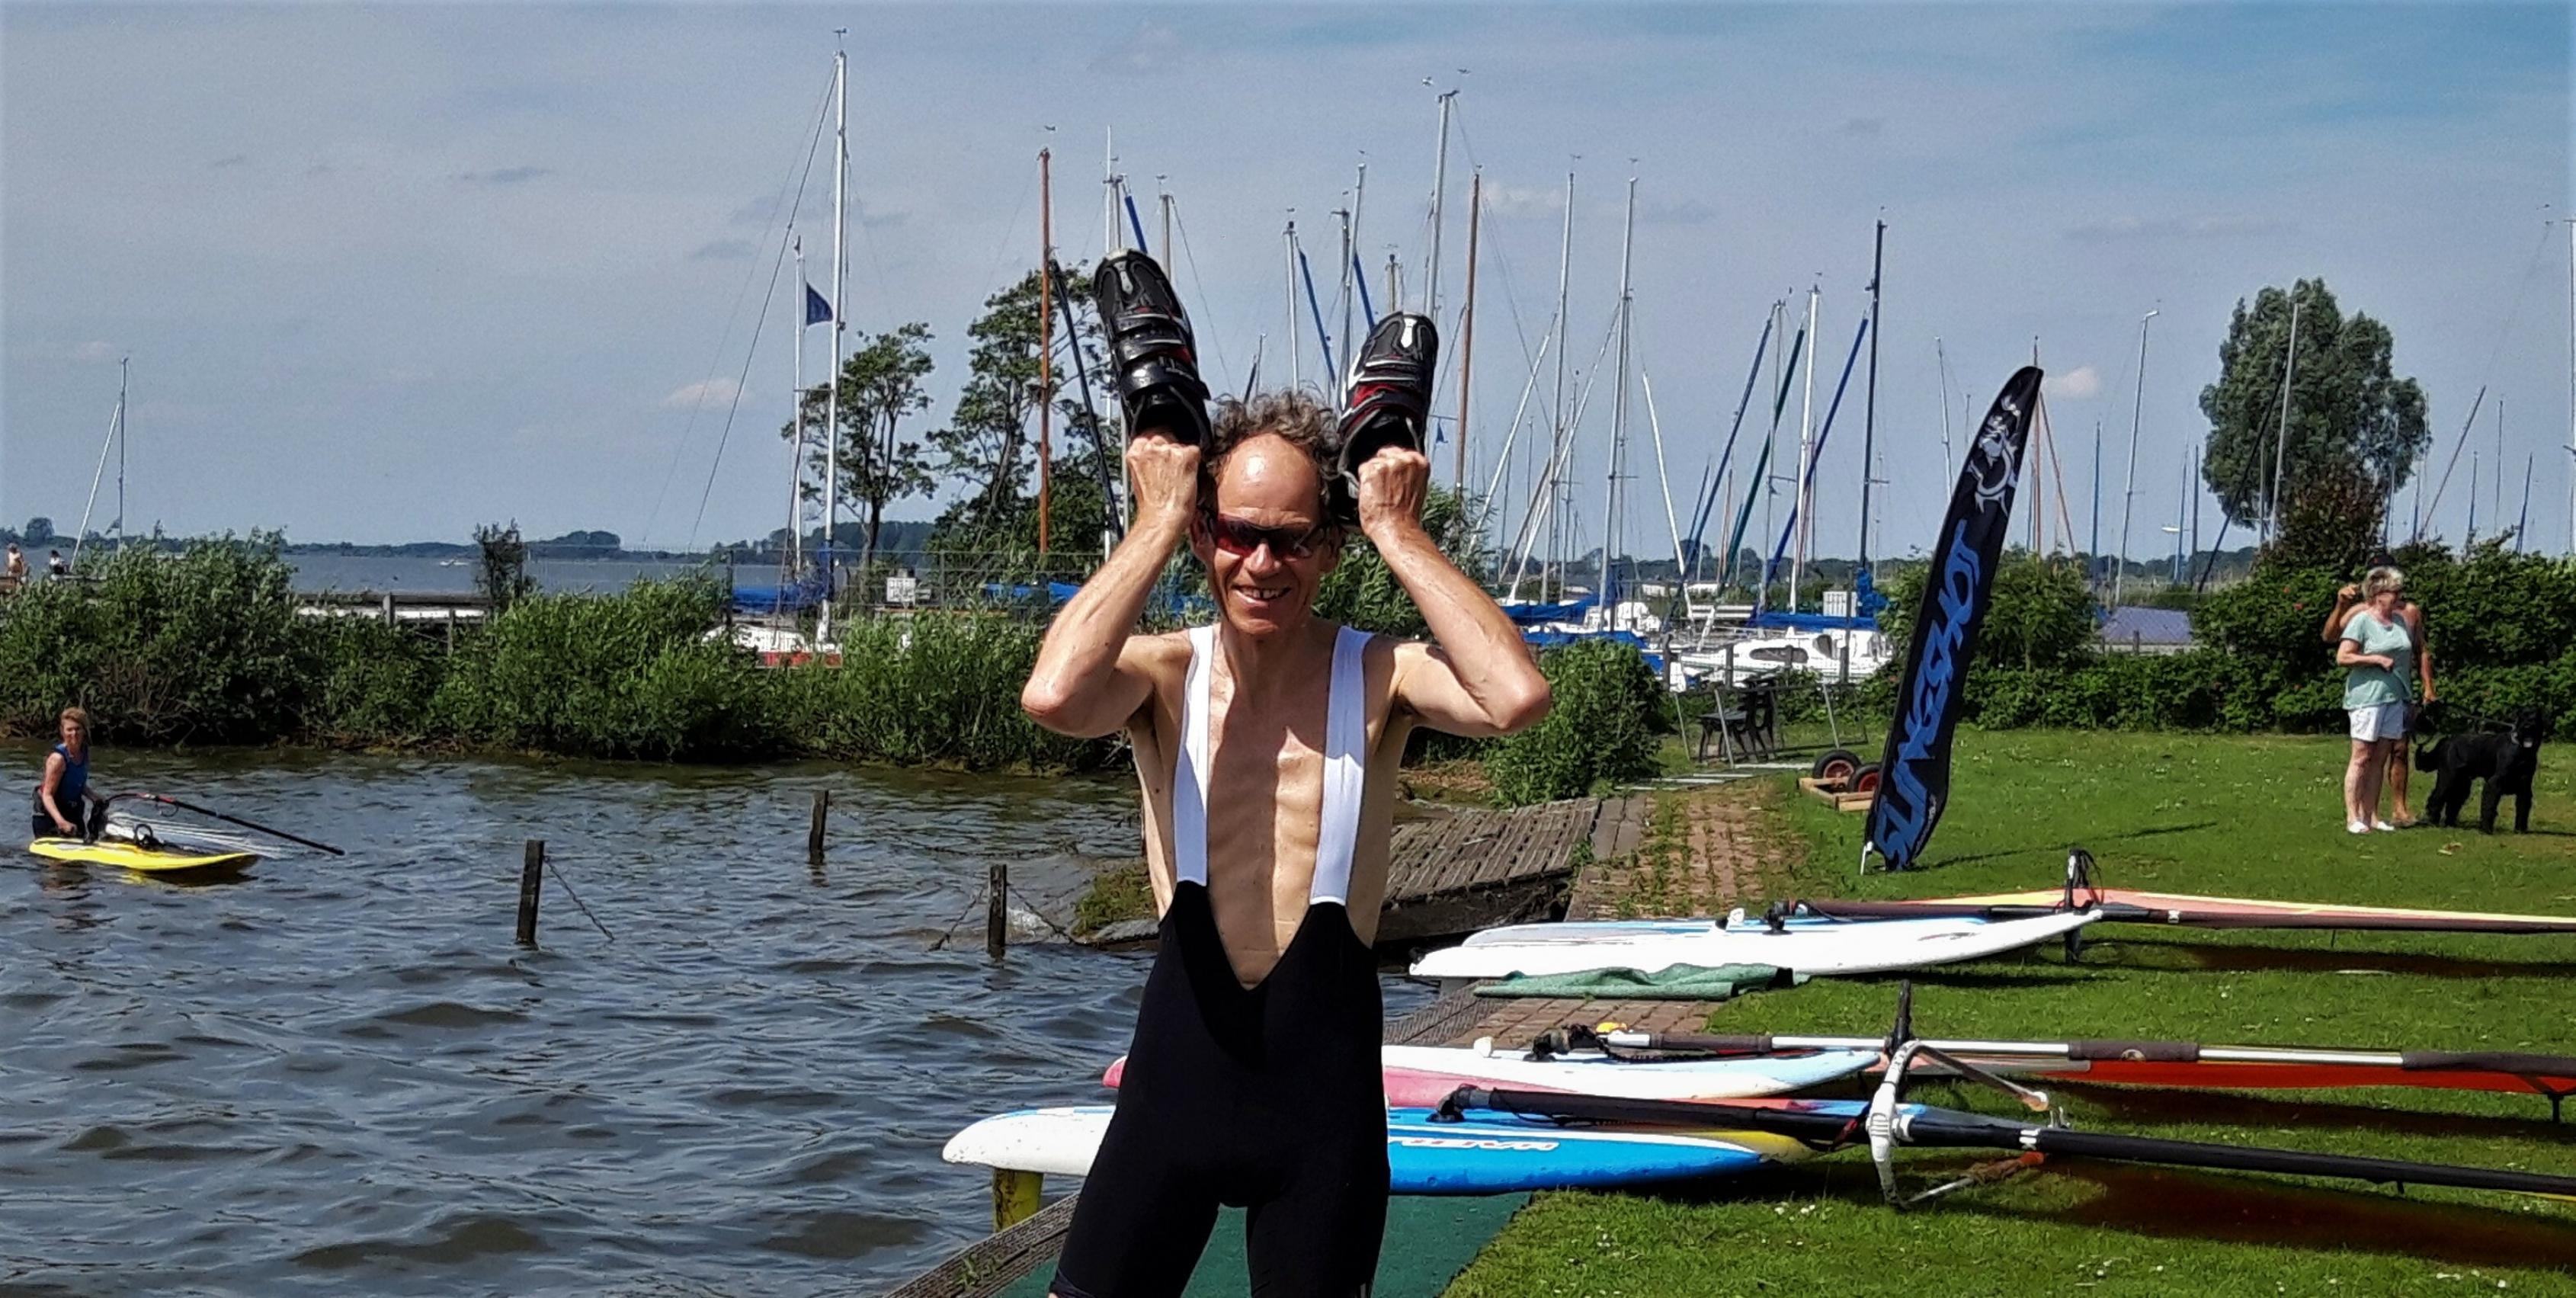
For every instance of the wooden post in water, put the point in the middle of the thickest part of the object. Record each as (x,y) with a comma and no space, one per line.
(814,829)
(389,608)
(532,879)
(997,909)
(1015,1197)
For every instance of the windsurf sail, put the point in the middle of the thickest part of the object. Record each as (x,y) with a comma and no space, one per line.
(1914,772)
(2139,906)
(1884,1122)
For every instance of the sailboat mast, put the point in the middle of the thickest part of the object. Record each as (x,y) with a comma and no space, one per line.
(1164,192)
(1467,328)
(2129,488)
(1439,190)
(2281,444)
(1869,406)
(1612,511)
(124,416)
(1556,406)
(1802,497)
(1359,274)
(1109,239)
(1295,345)
(1941,362)
(1341,385)
(840,314)
(790,563)
(2496,512)
(1046,342)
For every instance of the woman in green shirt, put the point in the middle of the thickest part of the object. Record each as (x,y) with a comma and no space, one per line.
(2377,652)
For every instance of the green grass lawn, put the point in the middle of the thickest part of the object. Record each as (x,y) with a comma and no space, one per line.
(2256,817)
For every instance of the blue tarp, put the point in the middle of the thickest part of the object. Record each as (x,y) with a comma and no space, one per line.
(1058,592)
(1560,639)
(791,598)
(1529,614)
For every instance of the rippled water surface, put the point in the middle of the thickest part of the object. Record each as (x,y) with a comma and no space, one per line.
(339,1075)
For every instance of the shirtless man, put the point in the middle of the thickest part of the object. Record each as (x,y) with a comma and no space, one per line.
(1266,747)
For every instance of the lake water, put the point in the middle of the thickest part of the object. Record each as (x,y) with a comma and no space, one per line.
(340,1075)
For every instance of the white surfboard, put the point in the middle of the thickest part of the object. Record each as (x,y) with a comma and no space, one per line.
(1423,1076)
(1858,947)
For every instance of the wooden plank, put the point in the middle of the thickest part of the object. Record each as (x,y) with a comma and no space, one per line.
(1457,864)
(998,1261)
(1436,855)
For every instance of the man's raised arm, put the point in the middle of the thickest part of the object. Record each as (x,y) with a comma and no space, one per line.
(1087,682)
(1478,679)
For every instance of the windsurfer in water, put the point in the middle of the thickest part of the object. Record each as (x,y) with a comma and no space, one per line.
(1266,746)
(63,791)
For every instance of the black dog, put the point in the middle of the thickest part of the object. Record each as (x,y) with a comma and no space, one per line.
(2506,760)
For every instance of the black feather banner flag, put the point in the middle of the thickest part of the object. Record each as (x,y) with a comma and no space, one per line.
(1914,773)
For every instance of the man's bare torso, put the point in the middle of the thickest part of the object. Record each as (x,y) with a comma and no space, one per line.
(1266,742)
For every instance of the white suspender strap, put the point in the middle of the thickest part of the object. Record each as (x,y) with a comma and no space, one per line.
(1345,769)
(1190,770)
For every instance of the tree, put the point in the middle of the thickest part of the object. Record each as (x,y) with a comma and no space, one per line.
(501,572)
(984,445)
(881,384)
(40,531)
(2349,415)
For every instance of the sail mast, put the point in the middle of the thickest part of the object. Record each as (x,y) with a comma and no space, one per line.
(1289,282)
(1439,188)
(793,551)
(2129,489)
(1800,499)
(1612,508)
(1467,327)
(1869,406)
(1556,406)
(1046,341)
(2281,445)
(840,313)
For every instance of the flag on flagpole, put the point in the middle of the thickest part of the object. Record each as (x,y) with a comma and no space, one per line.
(817,310)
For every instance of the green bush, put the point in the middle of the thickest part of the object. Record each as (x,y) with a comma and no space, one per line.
(637,674)
(202,646)
(1362,592)
(936,689)
(375,683)
(1602,727)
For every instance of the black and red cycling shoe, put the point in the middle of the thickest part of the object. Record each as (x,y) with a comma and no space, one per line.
(1157,359)
(1389,402)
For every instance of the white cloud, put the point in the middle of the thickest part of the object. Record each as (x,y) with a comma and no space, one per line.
(93,351)
(2083,383)
(714,391)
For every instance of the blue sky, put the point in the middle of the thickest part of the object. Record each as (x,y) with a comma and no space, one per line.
(388,272)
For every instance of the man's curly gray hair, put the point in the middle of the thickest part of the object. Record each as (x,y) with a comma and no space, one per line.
(1298,417)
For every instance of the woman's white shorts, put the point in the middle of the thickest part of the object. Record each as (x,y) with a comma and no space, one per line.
(2387,721)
